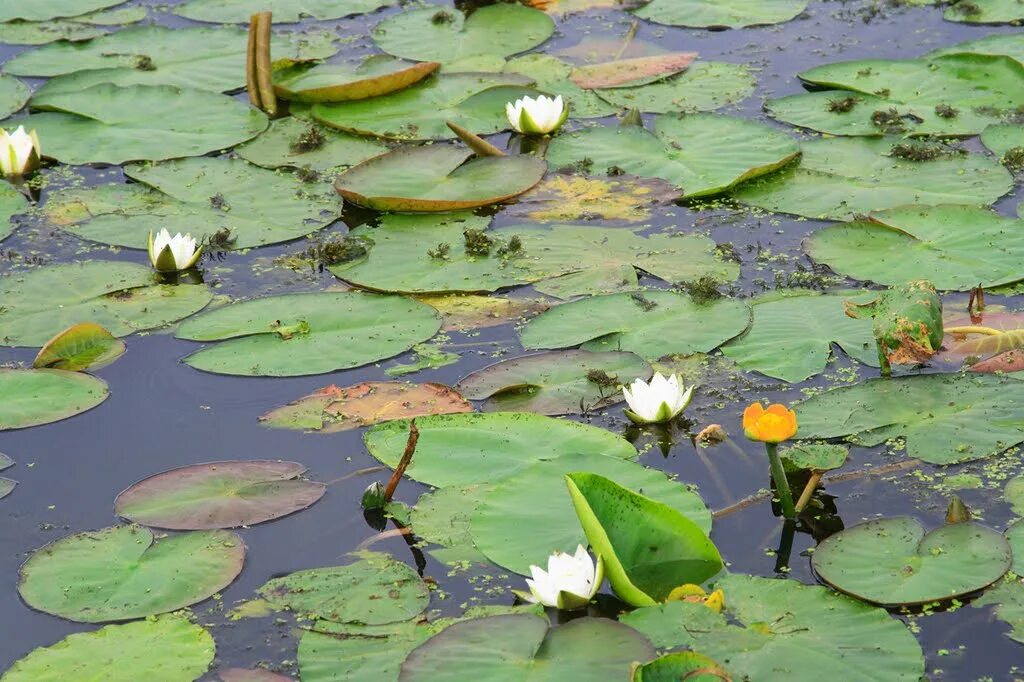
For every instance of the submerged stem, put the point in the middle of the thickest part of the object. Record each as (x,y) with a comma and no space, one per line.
(812,485)
(781,483)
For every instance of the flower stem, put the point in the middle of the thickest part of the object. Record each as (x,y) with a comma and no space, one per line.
(973,329)
(805,496)
(779,478)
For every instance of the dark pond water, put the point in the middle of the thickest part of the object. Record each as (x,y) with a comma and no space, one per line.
(162,414)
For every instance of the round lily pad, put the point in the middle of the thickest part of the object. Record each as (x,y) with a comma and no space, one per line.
(719,14)
(438,178)
(651,324)
(13,95)
(704,86)
(41,10)
(443,516)
(814,456)
(120,296)
(12,203)
(1010,44)
(353,653)
(440,34)
(529,515)
(201,196)
(893,562)
(340,81)
(475,101)
(701,154)
(557,382)
(838,178)
(1014,494)
(289,142)
(168,648)
(622,73)
(955,247)
(284,11)
(304,334)
(985,12)
(459,449)
(373,590)
(219,495)
(110,124)
(123,572)
(30,397)
(72,29)
(521,648)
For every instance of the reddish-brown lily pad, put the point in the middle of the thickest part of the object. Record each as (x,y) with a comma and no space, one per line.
(624,73)
(569,197)
(333,409)
(1010,361)
(219,495)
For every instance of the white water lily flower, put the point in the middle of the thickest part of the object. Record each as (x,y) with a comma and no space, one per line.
(570,582)
(20,152)
(171,254)
(539,116)
(658,401)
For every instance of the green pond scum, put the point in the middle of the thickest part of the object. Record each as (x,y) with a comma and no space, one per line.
(526,340)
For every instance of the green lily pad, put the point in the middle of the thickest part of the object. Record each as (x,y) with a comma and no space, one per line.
(522,648)
(13,95)
(814,456)
(892,561)
(701,154)
(109,124)
(443,516)
(30,397)
(72,29)
(373,590)
(1010,44)
(12,203)
(648,547)
(475,101)
(557,382)
(341,81)
(717,14)
(981,89)
(1002,138)
(439,34)
(682,665)
(552,75)
(288,143)
(123,572)
(436,178)
(301,334)
(41,10)
(1008,599)
(6,484)
(169,648)
(353,653)
(955,247)
(461,449)
(782,628)
(944,418)
(651,324)
(202,58)
(82,346)
(985,12)
(529,515)
(1015,536)
(255,205)
(791,337)
(1014,494)
(705,86)
(120,296)
(838,178)
(284,11)
(219,495)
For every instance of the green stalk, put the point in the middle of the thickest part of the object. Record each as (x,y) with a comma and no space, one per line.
(781,484)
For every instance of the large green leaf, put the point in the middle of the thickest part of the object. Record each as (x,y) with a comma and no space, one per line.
(13,95)
(651,324)
(169,649)
(704,86)
(1010,44)
(552,75)
(354,653)
(343,81)
(30,397)
(791,336)
(955,247)
(437,178)
(304,334)
(122,297)
(78,28)
(123,572)
(781,629)
(373,590)
(219,495)
(41,10)
(288,142)
(202,58)
(838,178)
(1003,137)
(943,418)
(459,449)
(256,206)
(286,11)
(475,101)
(892,561)
(982,89)
(110,124)
(439,34)
(557,382)
(12,203)
(701,154)
(719,13)
(522,648)
(529,515)
(986,12)
(648,547)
